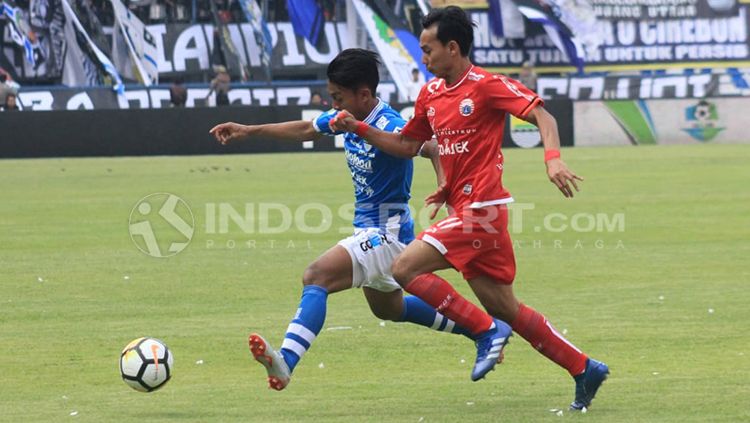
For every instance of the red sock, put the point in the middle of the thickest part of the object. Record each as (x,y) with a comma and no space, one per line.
(535,328)
(438,293)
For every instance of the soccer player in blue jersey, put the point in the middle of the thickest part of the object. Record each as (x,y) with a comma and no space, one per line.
(382,222)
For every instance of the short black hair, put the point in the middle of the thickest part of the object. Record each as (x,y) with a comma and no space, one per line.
(354,68)
(453,25)
(3,77)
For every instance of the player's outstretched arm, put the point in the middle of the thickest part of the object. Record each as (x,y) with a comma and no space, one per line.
(557,170)
(392,143)
(296,130)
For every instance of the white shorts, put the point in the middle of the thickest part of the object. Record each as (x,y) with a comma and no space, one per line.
(372,253)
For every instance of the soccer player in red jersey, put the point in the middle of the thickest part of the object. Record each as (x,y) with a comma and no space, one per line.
(465,108)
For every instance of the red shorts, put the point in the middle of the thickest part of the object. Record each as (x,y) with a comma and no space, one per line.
(476,242)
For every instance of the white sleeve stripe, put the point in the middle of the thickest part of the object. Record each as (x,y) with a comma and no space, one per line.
(449,326)
(451,225)
(480,204)
(301,331)
(435,243)
(447,221)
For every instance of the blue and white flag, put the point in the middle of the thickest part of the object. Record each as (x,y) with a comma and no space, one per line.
(85,64)
(18,34)
(571,25)
(547,15)
(262,34)
(133,47)
(579,16)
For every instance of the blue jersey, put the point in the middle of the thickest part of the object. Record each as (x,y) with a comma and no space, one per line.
(382,182)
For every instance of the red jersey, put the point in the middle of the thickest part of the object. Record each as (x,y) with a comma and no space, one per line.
(468,120)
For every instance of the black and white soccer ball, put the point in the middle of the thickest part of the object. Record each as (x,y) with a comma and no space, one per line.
(146,364)
(702,112)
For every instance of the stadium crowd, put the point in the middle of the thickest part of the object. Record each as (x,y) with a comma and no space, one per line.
(196,11)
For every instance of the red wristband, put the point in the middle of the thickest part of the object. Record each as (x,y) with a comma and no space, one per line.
(361,129)
(551,154)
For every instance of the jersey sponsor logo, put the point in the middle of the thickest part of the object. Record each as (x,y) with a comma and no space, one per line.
(434,85)
(449,131)
(466,107)
(430,111)
(358,162)
(447,149)
(475,76)
(374,241)
(467,189)
(359,179)
(382,123)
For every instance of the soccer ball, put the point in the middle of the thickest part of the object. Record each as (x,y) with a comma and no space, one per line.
(146,364)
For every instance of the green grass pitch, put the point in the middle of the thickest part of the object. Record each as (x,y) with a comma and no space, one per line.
(659,290)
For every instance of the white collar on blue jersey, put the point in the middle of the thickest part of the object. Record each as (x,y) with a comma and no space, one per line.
(375,110)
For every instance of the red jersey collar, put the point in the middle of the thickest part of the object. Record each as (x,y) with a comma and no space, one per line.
(466,73)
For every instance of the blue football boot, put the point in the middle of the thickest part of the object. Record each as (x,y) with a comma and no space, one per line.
(490,346)
(588,382)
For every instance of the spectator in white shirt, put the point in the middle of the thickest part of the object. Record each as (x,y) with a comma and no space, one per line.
(415,85)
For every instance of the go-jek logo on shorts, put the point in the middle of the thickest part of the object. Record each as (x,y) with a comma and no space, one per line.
(161,225)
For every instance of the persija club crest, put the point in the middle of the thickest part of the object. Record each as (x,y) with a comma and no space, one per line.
(466,107)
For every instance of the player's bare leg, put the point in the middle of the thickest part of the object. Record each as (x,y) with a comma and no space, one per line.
(385,305)
(413,270)
(500,301)
(332,270)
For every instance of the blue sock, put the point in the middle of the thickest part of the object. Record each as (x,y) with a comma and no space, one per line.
(421,313)
(306,324)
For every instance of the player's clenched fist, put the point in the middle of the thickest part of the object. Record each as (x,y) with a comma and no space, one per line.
(344,121)
(229,131)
